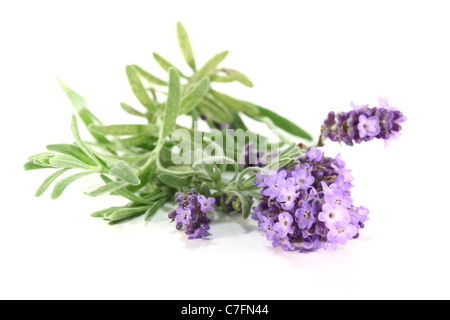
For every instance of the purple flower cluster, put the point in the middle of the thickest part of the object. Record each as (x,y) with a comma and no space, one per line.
(309,207)
(364,124)
(191,214)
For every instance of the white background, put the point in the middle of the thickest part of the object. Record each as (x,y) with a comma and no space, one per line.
(305,58)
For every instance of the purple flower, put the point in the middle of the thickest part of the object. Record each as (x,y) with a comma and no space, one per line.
(336,196)
(311,244)
(267,226)
(183,215)
(288,195)
(368,126)
(334,216)
(206,203)
(284,225)
(305,216)
(283,241)
(363,214)
(314,154)
(302,179)
(342,235)
(200,232)
(275,184)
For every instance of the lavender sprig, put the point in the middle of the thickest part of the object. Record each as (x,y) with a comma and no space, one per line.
(364,124)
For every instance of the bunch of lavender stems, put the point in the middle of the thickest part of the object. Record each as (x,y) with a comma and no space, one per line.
(299,197)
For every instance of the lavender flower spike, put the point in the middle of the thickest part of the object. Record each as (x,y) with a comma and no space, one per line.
(309,207)
(191,214)
(364,124)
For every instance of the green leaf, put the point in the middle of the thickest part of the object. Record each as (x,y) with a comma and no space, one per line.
(238,122)
(47,182)
(38,156)
(205,190)
(215,113)
(246,204)
(166,65)
(138,89)
(80,143)
(71,150)
(130,110)
(123,171)
(282,123)
(185,46)
(124,129)
(145,177)
(104,212)
(127,213)
(210,66)
(153,209)
(65,182)
(173,104)
(213,172)
(81,106)
(110,187)
(66,161)
(33,166)
(195,96)
(149,77)
(174,181)
(235,104)
(232,75)
(136,140)
(126,193)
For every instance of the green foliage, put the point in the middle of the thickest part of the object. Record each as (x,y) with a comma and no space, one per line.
(133,160)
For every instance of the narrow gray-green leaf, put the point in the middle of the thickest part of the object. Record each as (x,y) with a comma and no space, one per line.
(80,143)
(110,187)
(34,166)
(173,104)
(126,193)
(123,171)
(246,204)
(136,140)
(166,65)
(47,182)
(127,213)
(153,209)
(205,190)
(61,185)
(71,150)
(102,213)
(174,181)
(214,112)
(282,123)
(232,75)
(78,102)
(210,66)
(130,110)
(195,96)
(66,161)
(185,46)
(124,129)
(138,89)
(235,104)
(35,157)
(81,106)
(149,77)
